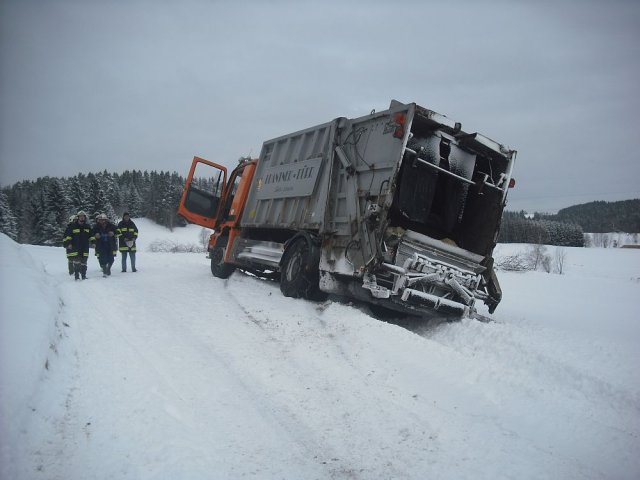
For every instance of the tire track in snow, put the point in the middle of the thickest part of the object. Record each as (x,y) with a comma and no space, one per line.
(286,413)
(331,337)
(283,413)
(141,350)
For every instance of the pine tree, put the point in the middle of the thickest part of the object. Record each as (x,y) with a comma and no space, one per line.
(20,202)
(146,192)
(176,186)
(77,194)
(164,199)
(132,202)
(97,202)
(112,194)
(36,220)
(8,221)
(56,212)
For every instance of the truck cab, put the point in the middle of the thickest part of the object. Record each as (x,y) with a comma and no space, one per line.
(213,201)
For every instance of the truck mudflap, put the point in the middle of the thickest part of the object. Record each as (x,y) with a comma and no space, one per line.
(430,274)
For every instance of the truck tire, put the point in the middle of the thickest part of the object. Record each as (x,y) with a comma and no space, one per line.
(218,267)
(300,276)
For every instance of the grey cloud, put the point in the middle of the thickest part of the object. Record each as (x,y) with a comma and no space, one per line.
(91,85)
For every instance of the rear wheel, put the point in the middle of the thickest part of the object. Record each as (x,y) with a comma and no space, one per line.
(218,267)
(300,276)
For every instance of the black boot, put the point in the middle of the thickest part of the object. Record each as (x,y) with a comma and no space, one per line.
(77,275)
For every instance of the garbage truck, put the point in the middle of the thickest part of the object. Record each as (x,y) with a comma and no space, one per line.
(399,208)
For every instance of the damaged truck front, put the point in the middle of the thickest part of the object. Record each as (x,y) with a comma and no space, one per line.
(399,208)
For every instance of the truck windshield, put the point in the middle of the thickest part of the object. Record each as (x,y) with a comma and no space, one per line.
(234,181)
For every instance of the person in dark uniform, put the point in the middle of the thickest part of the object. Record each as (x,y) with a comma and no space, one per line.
(72,219)
(127,235)
(104,233)
(77,240)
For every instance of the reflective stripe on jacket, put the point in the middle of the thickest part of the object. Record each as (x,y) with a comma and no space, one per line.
(79,237)
(127,231)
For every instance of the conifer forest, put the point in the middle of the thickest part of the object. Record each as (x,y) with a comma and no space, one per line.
(37,212)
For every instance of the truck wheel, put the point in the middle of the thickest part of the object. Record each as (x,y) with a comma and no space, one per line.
(300,276)
(218,267)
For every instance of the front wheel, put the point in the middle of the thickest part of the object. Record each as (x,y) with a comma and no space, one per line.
(218,267)
(300,276)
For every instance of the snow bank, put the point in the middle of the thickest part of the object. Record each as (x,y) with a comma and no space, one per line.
(150,233)
(29,308)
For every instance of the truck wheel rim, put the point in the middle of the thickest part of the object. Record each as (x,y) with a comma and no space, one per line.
(293,266)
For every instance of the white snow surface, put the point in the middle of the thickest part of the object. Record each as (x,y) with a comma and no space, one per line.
(171,373)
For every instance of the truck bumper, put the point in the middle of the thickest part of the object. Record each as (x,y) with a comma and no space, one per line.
(425,277)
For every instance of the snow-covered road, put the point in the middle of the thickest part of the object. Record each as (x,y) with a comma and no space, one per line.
(171,373)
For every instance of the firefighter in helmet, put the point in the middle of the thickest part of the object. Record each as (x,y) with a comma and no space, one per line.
(77,240)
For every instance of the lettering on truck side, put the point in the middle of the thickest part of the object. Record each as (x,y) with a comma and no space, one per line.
(290,180)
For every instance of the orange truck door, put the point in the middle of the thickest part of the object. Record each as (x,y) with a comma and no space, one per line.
(200,202)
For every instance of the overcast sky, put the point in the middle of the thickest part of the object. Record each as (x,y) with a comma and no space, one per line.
(91,85)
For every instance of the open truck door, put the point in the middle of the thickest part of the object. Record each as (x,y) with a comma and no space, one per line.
(200,202)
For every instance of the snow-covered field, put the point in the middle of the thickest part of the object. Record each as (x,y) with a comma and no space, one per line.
(170,373)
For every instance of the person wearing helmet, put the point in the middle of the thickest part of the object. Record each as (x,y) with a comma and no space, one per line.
(127,235)
(104,233)
(77,240)
(72,220)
